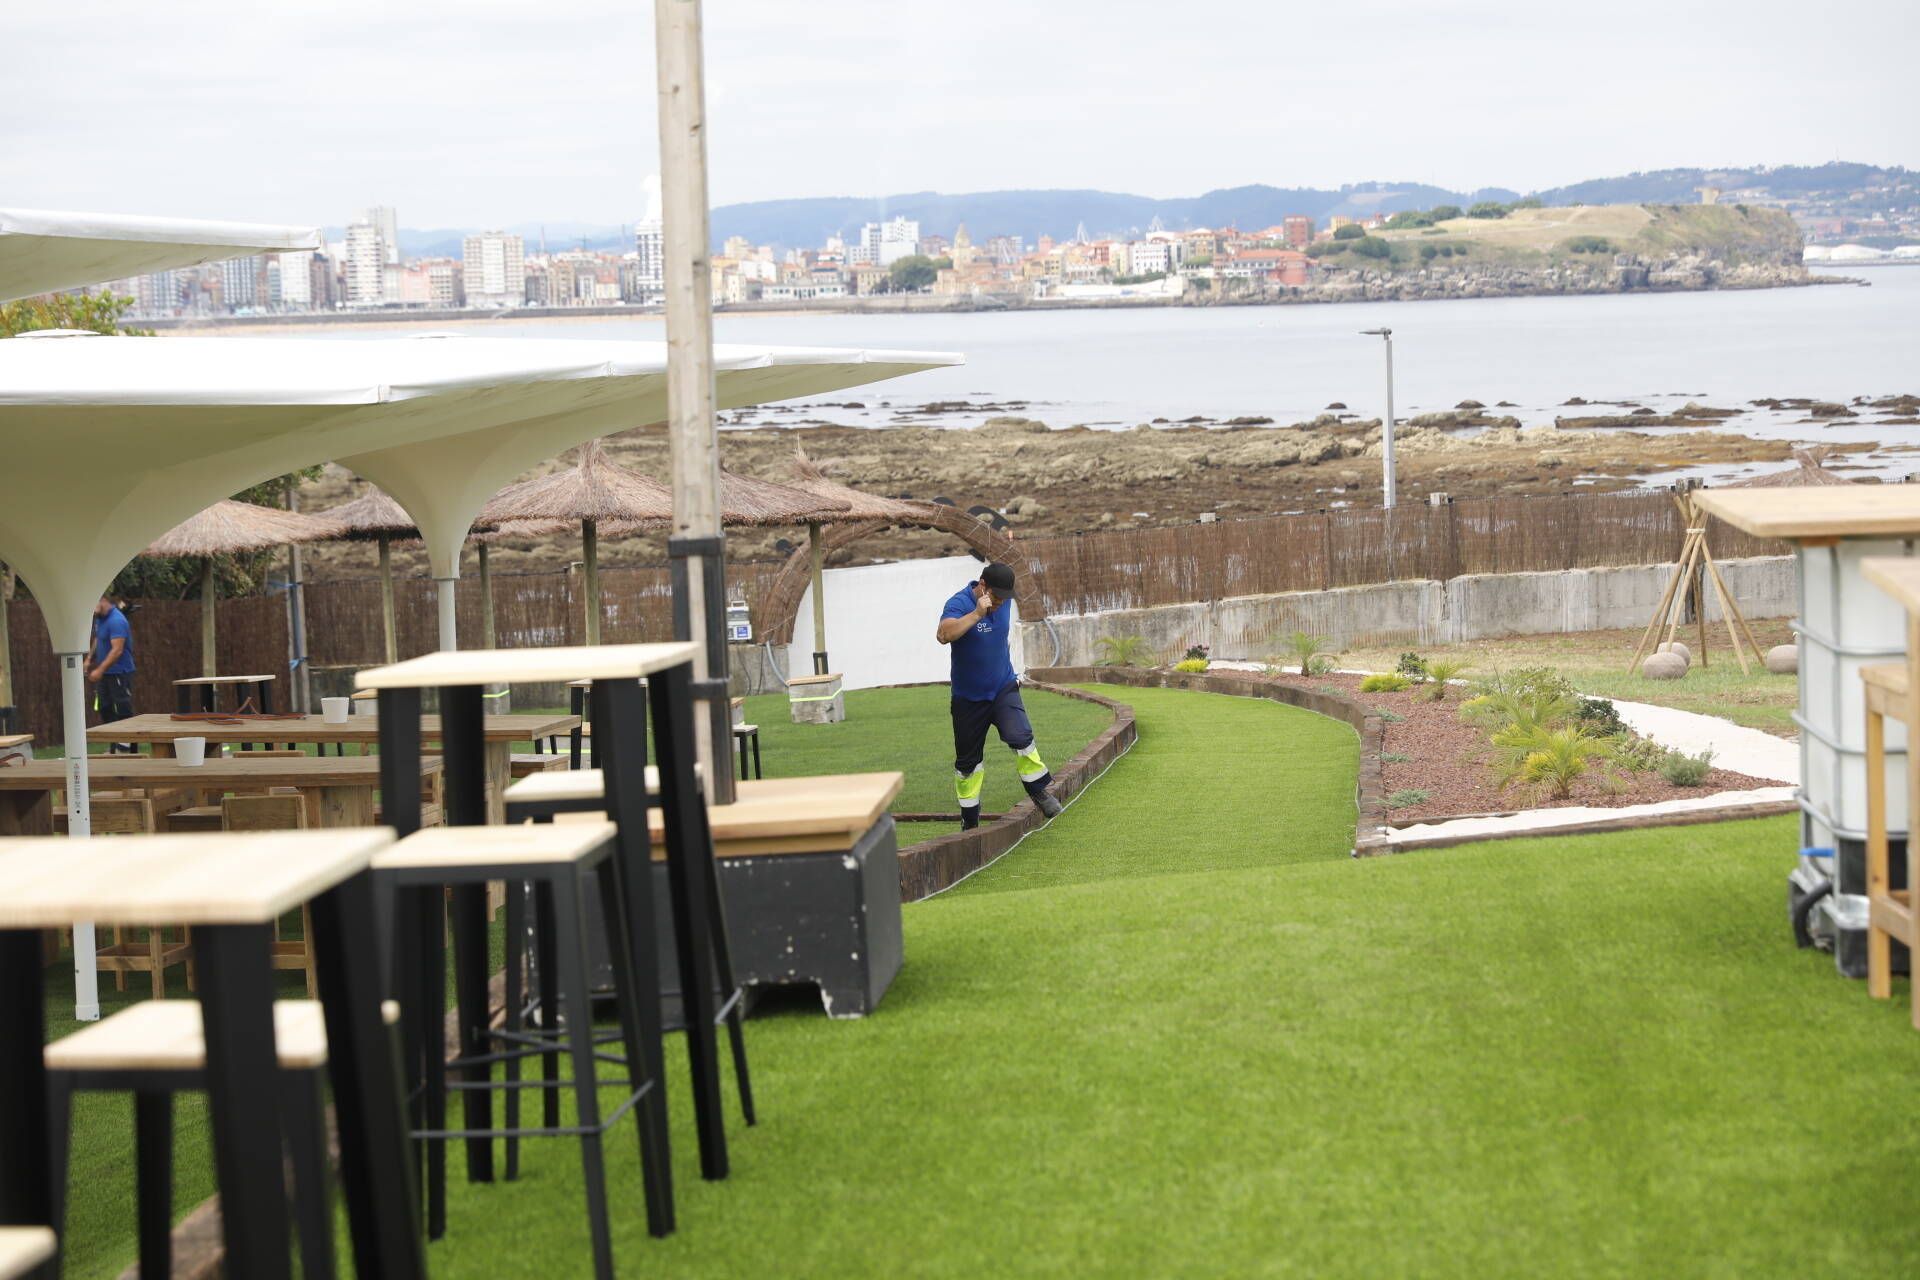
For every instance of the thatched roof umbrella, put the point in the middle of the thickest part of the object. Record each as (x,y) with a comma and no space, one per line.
(808,476)
(228,528)
(373,516)
(510,531)
(595,491)
(1810,472)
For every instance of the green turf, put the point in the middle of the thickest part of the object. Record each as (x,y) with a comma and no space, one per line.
(1597,1056)
(909,730)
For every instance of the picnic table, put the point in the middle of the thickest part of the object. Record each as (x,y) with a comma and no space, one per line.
(205,690)
(498,732)
(339,789)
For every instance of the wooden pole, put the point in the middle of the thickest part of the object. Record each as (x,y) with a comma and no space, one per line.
(209,622)
(386,598)
(695,443)
(590,586)
(6,650)
(300,678)
(486,600)
(816,546)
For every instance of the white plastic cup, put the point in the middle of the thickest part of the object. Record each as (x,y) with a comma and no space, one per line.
(190,752)
(334,710)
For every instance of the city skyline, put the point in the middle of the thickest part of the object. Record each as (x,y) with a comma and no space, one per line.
(478,114)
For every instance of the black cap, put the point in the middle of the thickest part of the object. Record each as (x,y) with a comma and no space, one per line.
(999,580)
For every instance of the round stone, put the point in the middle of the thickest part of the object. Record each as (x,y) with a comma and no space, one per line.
(1783,659)
(1676,646)
(1664,666)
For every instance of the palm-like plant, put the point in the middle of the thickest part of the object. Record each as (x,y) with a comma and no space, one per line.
(1439,672)
(1308,651)
(1120,651)
(1552,759)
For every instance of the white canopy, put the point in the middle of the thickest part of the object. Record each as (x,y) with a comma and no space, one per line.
(42,250)
(110,442)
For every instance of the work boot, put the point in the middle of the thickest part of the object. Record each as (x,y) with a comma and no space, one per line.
(1049,804)
(970,817)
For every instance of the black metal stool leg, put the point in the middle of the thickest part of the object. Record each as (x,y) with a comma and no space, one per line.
(579,1026)
(729,986)
(637,1003)
(153,1163)
(516,1009)
(547,963)
(304,1113)
(462,711)
(60,1147)
(431,993)
(758,772)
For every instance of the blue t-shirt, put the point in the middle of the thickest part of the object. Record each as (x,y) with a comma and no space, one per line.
(982,663)
(105,631)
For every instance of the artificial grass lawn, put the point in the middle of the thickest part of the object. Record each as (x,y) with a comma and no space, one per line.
(1181,1033)
(909,729)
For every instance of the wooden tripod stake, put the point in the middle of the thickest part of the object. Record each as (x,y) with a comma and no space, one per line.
(1696,555)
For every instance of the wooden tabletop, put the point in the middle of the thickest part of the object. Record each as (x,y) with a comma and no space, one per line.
(205,878)
(831,675)
(169,1035)
(1898,576)
(1830,511)
(218,771)
(510,666)
(770,815)
(156,727)
(15,739)
(224,679)
(527,842)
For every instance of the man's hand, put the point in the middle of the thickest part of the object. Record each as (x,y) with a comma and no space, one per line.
(983,599)
(94,674)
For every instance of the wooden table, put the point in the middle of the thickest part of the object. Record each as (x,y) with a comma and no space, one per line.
(338,789)
(498,733)
(206,689)
(230,889)
(1893,693)
(1843,625)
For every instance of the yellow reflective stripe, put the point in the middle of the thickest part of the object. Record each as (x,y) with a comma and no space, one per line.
(1031,766)
(967,785)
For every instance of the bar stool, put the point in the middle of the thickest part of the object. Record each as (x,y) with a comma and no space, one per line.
(417,950)
(154,1051)
(1890,912)
(230,889)
(742,735)
(559,860)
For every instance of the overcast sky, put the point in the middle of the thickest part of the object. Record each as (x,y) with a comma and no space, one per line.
(494,112)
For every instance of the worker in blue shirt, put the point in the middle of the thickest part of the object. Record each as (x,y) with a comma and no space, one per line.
(977,625)
(111,667)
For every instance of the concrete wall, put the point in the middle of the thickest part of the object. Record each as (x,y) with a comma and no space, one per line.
(1425,612)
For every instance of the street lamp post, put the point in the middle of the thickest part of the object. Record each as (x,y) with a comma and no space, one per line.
(1386,431)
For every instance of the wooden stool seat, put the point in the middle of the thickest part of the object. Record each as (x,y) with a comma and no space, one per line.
(170,1036)
(1890,914)
(23,1250)
(745,735)
(526,763)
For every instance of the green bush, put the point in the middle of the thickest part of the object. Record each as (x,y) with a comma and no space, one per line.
(1326,248)
(1385,682)
(1371,247)
(1442,672)
(1394,757)
(1639,755)
(1306,650)
(1428,252)
(1528,202)
(1552,760)
(1589,244)
(1683,770)
(1190,664)
(1443,212)
(1121,651)
(1390,717)
(1352,231)
(1406,798)
(1412,666)
(1488,209)
(1600,717)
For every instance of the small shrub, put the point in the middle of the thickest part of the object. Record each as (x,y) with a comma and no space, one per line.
(1639,755)
(1334,689)
(1683,770)
(1589,244)
(1190,665)
(1306,649)
(1394,757)
(1121,651)
(1406,798)
(1412,666)
(1198,651)
(1443,212)
(1371,247)
(1488,209)
(1390,717)
(1442,671)
(1600,717)
(1385,682)
(1552,760)
(1351,231)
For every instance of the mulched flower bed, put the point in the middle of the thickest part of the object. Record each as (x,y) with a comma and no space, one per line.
(1450,760)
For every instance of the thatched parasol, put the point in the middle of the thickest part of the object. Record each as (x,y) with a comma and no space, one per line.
(808,476)
(228,528)
(1810,473)
(593,492)
(375,517)
(508,531)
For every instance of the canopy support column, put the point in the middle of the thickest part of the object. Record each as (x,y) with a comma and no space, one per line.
(486,600)
(443,596)
(819,553)
(73,695)
(699,558)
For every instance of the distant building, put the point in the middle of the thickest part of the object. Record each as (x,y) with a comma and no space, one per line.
(387,223)
(1299,230)
(365,265)
(1147,257)
(446,284)
(157,294)
(1005,250)
(240,282)
(535,284)
(493,270)
(1277,266)
(295,280)
(1338,221)
(887,242)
